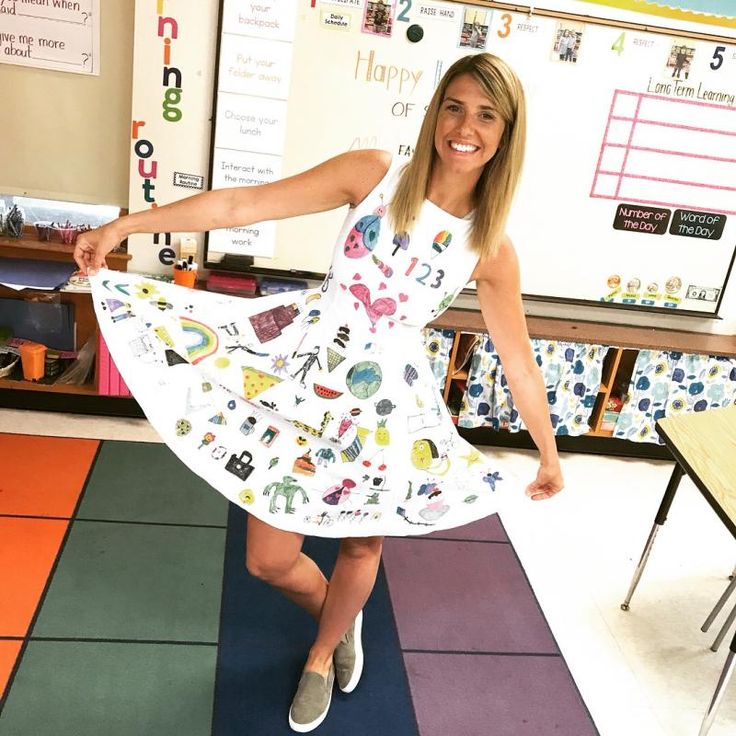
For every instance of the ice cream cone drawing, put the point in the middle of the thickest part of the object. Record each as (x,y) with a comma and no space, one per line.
(333,359)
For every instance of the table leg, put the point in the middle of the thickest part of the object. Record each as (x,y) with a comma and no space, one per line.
(726,673)
(659,520)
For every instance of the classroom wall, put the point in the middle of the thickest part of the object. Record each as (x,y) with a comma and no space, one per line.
(299,153)
(65,136)
(67,118)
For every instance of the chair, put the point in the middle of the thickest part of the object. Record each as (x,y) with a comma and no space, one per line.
(728,667)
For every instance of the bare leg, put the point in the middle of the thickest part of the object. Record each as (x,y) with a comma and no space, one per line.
(275,557)
(350,585)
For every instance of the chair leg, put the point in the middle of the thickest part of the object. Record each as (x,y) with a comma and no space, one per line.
(724,630)
(721,601)
(726,673)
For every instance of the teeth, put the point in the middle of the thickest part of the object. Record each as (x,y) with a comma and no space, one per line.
(463,148)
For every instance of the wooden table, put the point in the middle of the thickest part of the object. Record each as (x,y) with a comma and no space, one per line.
(704,445)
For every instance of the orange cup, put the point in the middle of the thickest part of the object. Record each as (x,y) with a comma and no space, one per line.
(32,357)
(185,278)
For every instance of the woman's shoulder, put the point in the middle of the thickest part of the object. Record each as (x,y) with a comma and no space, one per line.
(367,170)
(501,266)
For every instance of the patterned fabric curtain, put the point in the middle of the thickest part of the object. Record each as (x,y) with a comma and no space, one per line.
(572,375)
(668,383)
(438,344)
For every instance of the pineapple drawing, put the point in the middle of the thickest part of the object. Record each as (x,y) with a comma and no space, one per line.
(383,437)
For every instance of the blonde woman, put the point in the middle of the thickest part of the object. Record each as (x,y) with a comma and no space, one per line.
(390,460)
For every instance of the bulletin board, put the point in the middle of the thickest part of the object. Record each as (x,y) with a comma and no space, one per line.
(628,195)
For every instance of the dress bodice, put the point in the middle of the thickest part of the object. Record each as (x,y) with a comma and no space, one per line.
(394,277)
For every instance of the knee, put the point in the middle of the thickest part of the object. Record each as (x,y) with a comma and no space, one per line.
(361,548)
(269,570)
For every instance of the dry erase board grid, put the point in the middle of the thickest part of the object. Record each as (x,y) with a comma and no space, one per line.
(605,150)
(655,151)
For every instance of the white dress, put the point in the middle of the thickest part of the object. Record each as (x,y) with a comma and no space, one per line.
(315,410)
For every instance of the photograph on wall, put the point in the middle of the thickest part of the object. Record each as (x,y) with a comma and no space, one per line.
(474,30)
(679,60)
(378,18)
(567,40)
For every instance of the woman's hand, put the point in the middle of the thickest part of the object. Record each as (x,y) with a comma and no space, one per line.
(547,483)
(93,245)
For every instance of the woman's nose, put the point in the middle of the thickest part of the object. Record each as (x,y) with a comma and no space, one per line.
(465,125)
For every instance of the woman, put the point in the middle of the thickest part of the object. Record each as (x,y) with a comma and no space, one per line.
(404,470)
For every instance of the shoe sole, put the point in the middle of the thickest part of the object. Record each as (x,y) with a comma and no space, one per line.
(358,668)
(306,727)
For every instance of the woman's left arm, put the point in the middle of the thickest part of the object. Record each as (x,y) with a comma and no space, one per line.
(499,293)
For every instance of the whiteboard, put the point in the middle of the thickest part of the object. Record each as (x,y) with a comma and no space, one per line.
(628,195)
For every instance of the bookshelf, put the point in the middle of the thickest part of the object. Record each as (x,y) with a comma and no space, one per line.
(29,248)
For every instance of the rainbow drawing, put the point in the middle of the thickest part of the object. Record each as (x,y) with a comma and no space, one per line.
(205,340)
(441,241)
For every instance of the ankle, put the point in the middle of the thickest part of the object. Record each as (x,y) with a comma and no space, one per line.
(318,661)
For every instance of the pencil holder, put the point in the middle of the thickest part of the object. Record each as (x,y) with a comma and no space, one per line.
(43,229)
(32,357)
(14,220)
(67,233)
(185,278)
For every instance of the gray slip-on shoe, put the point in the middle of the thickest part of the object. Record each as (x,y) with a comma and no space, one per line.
(348,656)
(312,701)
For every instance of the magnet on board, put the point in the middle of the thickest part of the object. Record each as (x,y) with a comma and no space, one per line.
(414,33)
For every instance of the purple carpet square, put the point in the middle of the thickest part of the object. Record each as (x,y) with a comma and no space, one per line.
(488,529)
(479,695)
(463,596)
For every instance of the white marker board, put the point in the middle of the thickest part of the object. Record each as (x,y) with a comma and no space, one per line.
(628,194)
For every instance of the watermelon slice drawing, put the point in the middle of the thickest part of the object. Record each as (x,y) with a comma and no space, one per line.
(326,393)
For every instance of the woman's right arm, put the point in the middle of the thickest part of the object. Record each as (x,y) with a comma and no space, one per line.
(345,179)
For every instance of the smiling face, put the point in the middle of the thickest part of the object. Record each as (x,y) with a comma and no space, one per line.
(469,127)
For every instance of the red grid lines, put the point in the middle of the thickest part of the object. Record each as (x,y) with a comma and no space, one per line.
(676,153)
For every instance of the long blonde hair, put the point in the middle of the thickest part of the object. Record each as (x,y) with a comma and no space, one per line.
(495,188)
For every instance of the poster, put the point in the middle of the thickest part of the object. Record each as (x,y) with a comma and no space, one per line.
(62,35)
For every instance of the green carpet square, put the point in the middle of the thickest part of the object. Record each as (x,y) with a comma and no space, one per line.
(136,581)
(139,481)
(94,688)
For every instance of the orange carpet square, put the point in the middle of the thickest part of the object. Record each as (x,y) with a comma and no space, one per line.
(28,549)
(43,476)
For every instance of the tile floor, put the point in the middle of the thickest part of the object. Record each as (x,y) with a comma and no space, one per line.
(647,671)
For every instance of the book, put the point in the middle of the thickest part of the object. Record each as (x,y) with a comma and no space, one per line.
(229,283)
(77,282)
(103,367)
(277,286)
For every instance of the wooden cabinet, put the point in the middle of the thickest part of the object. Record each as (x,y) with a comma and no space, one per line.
(463,345)
(618,365)
(84,316)
(617,370)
